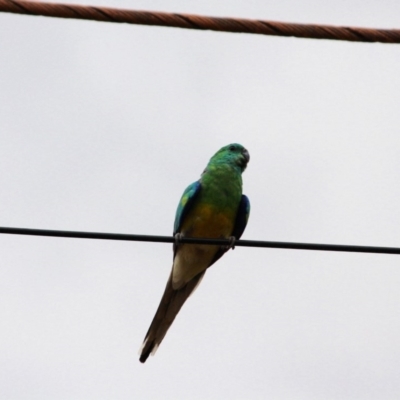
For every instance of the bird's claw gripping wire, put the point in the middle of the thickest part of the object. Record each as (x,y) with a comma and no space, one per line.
(178,236)
(232,241)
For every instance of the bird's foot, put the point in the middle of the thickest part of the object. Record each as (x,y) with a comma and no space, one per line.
(178,238)
(231,244)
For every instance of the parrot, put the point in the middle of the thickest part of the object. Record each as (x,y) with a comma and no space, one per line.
(212,207)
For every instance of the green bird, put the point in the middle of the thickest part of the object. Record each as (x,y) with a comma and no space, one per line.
(212,207)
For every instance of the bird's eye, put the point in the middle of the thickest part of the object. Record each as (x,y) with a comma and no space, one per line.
(232,148)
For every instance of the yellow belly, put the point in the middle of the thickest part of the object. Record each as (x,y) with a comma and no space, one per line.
(206,222)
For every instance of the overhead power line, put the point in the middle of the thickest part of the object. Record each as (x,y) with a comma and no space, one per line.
(221,242)
(190,21)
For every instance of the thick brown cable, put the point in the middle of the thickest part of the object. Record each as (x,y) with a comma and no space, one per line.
(188,21)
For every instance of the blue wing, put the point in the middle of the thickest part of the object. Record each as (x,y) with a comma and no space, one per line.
(242,217)
(185,203)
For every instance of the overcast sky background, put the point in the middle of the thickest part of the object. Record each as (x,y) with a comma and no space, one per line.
(102,126)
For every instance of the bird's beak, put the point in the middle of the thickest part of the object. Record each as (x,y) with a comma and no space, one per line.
(246,155)
(244,159)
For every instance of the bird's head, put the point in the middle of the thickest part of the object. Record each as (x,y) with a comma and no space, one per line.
(234,154)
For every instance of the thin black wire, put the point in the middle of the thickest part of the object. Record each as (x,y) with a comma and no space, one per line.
(171,239)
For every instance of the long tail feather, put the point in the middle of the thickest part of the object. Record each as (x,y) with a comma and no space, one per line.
(171,302)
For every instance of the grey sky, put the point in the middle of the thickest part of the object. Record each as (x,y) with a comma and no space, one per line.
(102,126)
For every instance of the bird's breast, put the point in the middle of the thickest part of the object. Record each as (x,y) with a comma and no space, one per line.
(205,220)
